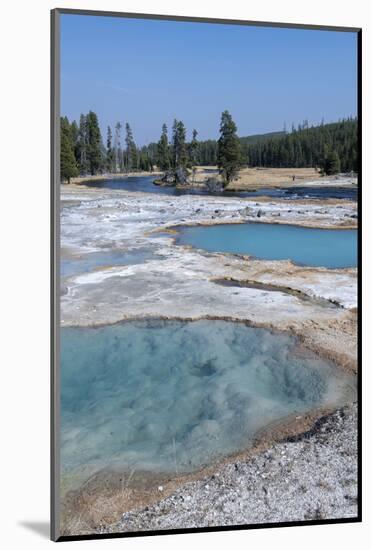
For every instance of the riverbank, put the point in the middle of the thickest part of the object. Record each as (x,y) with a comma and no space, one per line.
(318,305)
(109,176)
(251,179)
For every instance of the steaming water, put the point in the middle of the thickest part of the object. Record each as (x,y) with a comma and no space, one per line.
(173,396)
(333,248)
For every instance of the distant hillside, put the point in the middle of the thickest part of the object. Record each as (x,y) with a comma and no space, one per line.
(334,143)
(208,149)
(307,146)
(251,140)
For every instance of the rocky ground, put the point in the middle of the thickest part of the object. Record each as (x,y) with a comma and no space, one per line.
(183,282)
(307,477)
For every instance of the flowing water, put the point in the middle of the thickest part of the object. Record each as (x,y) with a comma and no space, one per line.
(145,183)
(332,248)
(172,396)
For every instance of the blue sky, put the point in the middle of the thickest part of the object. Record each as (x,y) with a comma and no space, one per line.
(149,72)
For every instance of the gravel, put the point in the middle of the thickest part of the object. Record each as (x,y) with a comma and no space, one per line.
(306,477)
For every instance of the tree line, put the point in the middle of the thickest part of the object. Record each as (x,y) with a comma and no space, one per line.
(83,151)
(329,147)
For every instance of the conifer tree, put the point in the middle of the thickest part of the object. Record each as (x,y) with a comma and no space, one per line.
(193,153)
(228,149)
(180,153)
(68,165)
(131,150)
(331,163)
(110,151)
(174,143)
(94,150)
(163,153)
(117,153)
(82,146)
(74,130)
(181,144)
(193,148)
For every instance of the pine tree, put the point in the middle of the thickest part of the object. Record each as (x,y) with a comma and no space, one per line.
(82,146)
(181,144)
(228,149)
(174,144)
(180,156)
(110,151)
(94,150)
(68,164)
(74,130)
(163,153)
(131,150)
(193,153)
(117,153)
(331,164)
(180,153)
(193,148)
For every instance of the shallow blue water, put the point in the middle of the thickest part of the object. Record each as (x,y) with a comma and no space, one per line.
(88,262)
(173,396)
(145,183)
(314,247)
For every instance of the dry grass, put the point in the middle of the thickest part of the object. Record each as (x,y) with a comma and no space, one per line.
(103,498)
(252,178)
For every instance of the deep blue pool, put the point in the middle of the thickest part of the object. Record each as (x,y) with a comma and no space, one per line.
(330,248)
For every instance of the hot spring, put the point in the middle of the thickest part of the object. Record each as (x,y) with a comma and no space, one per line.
(171,396)
(332,248)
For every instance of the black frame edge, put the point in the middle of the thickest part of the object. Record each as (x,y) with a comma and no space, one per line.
(54,273)
(195,530)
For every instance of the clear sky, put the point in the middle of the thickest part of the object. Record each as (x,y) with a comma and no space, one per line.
(149,72)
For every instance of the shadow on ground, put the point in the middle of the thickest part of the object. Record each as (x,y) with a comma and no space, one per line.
(41,528)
